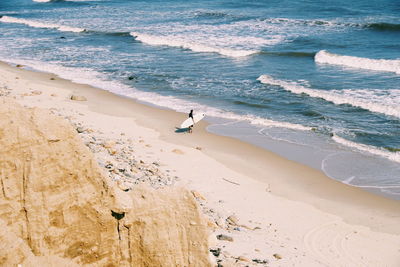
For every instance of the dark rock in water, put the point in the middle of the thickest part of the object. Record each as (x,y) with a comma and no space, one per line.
(62,37)
(132,77)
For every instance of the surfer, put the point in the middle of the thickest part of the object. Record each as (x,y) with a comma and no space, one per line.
(191,116)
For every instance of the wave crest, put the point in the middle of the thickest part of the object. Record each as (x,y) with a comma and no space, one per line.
(325,57)
(36,24)
(357,98)
(161,40)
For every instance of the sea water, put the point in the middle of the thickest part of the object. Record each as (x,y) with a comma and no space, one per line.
(315,81)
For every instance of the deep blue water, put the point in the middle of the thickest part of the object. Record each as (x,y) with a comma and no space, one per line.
(320,74)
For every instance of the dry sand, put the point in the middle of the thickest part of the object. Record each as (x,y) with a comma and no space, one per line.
(284,212)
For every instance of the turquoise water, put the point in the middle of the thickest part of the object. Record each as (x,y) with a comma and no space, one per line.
(316,81)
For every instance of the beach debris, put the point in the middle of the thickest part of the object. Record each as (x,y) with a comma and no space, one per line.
(258,261)
(197,195)
(220,222)
(198,148)
(211,224)
(80,129)
(243,258)
(216,252)
(52,78)
(4,91)
(277,256)
(233,220)
(19,66)
(178,151)
(229,181)
(78,98)
(36,92)
(225,238)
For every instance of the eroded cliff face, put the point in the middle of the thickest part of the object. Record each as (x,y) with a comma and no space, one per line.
(56,208)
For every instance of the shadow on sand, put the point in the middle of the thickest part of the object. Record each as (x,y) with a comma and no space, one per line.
(181,130)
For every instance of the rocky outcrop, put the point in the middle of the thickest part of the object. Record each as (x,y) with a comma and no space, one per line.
(56,208)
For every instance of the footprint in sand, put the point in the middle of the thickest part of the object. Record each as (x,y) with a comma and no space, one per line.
(331,245)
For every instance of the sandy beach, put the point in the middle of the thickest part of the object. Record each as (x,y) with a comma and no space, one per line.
(276,212)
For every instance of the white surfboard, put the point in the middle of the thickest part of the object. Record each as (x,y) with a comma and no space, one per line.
(189,121)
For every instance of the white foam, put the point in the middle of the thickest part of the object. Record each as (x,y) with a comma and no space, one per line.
(385,102)
(196,47)
(36,24)
(41,1)
(393,156)
(97,79)
(358,62)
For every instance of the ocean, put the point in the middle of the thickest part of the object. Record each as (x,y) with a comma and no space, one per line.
(317,82)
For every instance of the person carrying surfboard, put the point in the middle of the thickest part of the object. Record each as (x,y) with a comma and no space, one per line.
(191,116)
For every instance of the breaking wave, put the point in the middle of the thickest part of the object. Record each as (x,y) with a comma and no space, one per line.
(366,99)
(36,24)
(390,65)
(196,47)
(393,156)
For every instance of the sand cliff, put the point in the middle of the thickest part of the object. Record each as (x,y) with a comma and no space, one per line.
(57,208)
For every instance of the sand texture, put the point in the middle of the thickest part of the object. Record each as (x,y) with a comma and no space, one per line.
(56,206)
(264,210)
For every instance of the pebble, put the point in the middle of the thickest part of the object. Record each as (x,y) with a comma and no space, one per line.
(178,151)
(216,252)
(277,256)
(80,129)
(242,258)
(260,261)
(233,220)
(78,98)
(198,195)
(225,238)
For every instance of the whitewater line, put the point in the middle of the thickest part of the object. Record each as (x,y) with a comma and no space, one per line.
(333,96)
(36,24)
(389,65)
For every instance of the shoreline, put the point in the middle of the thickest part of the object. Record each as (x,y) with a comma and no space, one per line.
(271,176)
